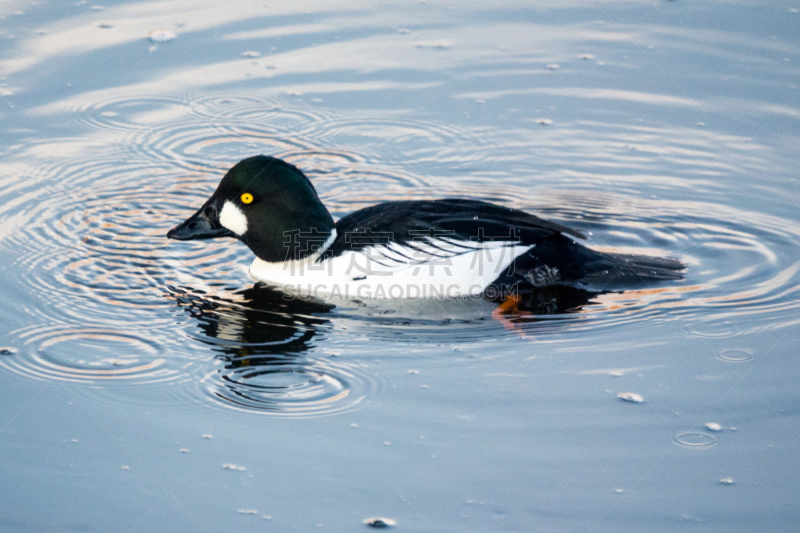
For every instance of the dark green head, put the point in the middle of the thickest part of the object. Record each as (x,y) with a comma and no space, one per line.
(266,203)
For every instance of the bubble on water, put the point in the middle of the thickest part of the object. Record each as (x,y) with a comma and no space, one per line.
(247,511)
(125,467)
(184,450)
(726,481)
(161,36)
(713,426)
(8,350)
(735,355)
(694,439)
(380,522)
(231,466)
(412,371)
(207,436)
(630,397)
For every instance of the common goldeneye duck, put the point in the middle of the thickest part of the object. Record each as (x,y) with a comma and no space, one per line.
(446,248)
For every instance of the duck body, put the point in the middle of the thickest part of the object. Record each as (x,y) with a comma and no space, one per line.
(449,248)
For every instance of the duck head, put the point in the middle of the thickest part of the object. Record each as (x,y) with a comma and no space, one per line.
(266,203)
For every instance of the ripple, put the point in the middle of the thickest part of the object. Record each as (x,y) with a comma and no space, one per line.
(735,355)
(87,229)
(88,355)
(289,387)
(694,439)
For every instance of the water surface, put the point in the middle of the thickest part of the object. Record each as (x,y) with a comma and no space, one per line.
(148,386)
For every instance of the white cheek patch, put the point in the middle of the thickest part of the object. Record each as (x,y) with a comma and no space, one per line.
(232,218)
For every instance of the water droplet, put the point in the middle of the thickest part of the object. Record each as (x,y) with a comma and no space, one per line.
(230,466)
(161,36)
(207,436)
(630,397)
(413,371)
(247,511)
(713,426)
(353,425)
(554,66)
(619,491)
(726,481)
(74,440)
(267,517)
(184,450)
(125,467)
(380,522)
(387,443)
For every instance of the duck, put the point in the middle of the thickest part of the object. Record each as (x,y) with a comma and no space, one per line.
(399,250)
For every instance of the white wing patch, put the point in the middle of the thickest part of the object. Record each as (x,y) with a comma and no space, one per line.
(425,268)
(232,218)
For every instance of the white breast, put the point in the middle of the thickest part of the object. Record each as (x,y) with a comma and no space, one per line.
(440,268)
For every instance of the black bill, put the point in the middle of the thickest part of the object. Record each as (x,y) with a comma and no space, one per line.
(202,225)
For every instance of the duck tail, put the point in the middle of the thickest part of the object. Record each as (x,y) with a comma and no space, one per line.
(614,268)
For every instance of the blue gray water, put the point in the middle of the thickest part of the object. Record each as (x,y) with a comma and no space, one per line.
(144,388)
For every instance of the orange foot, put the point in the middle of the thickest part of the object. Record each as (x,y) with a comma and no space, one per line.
(508,307)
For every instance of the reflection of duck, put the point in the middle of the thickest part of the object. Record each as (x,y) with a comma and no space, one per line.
(400,250)
(262,338)
(261,322)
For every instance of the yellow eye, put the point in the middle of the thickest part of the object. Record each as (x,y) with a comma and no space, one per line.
(247,198)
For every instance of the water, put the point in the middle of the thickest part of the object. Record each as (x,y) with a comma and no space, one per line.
(135,370)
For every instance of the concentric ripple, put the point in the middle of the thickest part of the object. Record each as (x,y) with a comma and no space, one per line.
(694,440)
(89,355)
(290,387)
